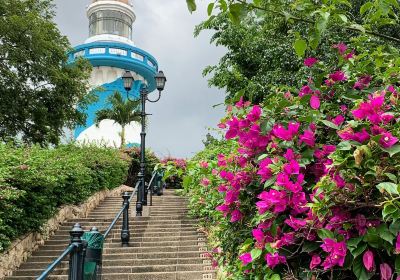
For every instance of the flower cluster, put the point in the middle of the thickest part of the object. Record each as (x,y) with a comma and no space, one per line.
(308,181)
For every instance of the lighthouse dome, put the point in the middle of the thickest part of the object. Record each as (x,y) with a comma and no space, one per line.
(110,21)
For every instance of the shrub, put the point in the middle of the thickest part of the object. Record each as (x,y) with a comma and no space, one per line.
(134,156)
(305,186)
(174,169)
(35,181)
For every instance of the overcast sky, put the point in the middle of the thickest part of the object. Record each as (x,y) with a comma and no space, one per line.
(164,28)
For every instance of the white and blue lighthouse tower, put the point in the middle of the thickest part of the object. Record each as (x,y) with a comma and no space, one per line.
(111,52)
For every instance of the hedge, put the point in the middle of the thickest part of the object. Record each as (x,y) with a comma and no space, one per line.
(35,181)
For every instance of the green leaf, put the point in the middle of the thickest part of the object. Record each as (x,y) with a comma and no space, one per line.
(191,5)
(210,8)
(392,177)
(309,247)
(359,250)
(235,12)
(300,47)
(324,233)
(344,146)
(352,243)
(343,18)
(367,6)
(359,270)
(275,277)
(389,187)
(397,264)
(256,253)
(388,209)
(330,124)
(269,182)
(393,150)
(385,233)
(395,227)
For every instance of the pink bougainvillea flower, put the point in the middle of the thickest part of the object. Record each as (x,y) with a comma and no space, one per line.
(240,103)
(305,90)
(341,47)
(337,253)
(308,138)
(274,259)
(258,235)
(386,271)
(291,168)
(264,171)
(362,82)
(338,76)
(222,188)
(310,61)
(361,136)
(295,224)
(346,134)
(222,125)
(223,208)
(329,149)
(398,244)
(255,113)
(315,103)
(286,134)
(338,120)
(388,140)
(231,197)
(349,55)
(289,155)
(221,160)
(272,198)
(236,216)
(245,258)
(205,182)
(368,260)
(203,164)
(315,261)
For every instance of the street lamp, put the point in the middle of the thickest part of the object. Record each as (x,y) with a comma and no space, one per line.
(128,80)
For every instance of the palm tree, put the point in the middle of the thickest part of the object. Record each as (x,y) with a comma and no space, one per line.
(121,112)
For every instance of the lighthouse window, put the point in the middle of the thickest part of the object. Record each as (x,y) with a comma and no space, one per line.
(110,22)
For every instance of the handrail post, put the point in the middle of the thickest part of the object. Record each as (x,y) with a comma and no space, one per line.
(125,234)
(76,260)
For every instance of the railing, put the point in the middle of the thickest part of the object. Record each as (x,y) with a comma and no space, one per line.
(76,250)
(78,247)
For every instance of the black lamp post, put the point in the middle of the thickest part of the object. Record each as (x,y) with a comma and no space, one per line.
(160,80)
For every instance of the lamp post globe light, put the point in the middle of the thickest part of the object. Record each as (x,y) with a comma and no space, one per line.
(160,81)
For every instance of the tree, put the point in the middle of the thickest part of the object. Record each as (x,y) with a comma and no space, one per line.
(39,90)
(265,50)
(121,112)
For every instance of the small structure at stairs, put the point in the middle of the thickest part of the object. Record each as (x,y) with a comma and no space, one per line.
(165,244)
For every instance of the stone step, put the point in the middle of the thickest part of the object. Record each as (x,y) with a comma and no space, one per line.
(192,275)
(115,256)
(119,269)
(125,262)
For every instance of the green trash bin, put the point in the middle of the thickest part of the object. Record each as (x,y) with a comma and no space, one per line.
(94,251)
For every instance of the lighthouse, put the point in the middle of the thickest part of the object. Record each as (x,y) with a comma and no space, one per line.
(111,51)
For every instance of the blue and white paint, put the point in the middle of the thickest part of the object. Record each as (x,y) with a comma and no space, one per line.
(111,55)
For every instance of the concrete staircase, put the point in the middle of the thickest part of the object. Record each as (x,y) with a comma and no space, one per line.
(165,245)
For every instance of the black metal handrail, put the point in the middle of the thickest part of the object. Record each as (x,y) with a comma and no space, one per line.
(124,209)
(76,251)
(151,186)
(50,269)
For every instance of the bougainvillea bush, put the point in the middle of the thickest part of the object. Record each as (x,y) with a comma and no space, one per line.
(306,184)
(173,169)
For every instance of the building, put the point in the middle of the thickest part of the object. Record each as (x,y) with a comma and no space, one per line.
(111,51)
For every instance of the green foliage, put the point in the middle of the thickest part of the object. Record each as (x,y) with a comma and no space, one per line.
(39,91)
(34,182)
(133,155)
(121,111)
(266,48)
